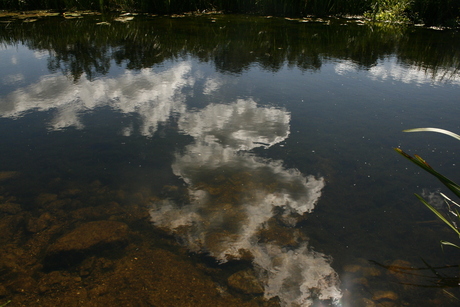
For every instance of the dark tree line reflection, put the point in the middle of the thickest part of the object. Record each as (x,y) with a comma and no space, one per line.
(232,43)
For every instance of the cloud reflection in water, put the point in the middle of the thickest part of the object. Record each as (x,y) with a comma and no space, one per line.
(244,206)
(240,205)
(154,96)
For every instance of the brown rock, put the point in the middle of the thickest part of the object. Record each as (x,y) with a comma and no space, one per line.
(10,208)
(367,303)
(7,175)
(11,227)
(360,281)
(98,212)
(38,224)
(246,282)
(371,271)
(403,272)
(3,291)
(89,235)
(85,240)
(352,268)
(45,198)
(23,284)
(399,269)
(385,295)
(57,281)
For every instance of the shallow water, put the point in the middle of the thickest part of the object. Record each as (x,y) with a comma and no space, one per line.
(262,146)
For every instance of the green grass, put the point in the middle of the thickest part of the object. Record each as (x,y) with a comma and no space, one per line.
(4,304)
(452,219)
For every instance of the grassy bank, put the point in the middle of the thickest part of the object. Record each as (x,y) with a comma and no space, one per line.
(430,12)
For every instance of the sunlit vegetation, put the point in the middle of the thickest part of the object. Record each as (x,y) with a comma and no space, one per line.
(430,12)
(389,10)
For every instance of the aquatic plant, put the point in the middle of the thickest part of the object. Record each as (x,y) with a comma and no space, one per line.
(4,304)
(454,216)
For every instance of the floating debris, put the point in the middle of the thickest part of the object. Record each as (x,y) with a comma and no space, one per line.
(124,18)
(28,14)
(72,15)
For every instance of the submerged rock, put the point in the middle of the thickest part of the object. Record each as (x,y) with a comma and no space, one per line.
(367,303)
(385,295)
(246,282)
(7,175)
(89,235)
(11,228)
(35,225)
(364,270)
(89,238)
(10,208)
(402,271)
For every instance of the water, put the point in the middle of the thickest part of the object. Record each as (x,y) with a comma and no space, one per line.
(231,148)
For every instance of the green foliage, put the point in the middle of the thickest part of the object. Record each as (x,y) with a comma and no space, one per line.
(452,186)
(389,10)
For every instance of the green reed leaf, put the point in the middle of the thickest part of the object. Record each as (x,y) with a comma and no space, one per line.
(449,244)
(442,131)
(438,214)
(454,187)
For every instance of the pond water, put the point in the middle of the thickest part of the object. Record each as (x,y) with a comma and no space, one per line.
(239,160)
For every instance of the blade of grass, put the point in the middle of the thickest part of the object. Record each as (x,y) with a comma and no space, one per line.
(455,188)
(442,131)
(449,244)
(438,214)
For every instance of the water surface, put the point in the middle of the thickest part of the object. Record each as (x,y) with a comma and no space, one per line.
(262,146)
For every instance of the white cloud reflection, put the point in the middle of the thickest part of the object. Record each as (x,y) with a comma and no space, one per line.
(13,79)
(154,96)
(41,54)
(241,125)
(391,69)
(211,85)
(240,204)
